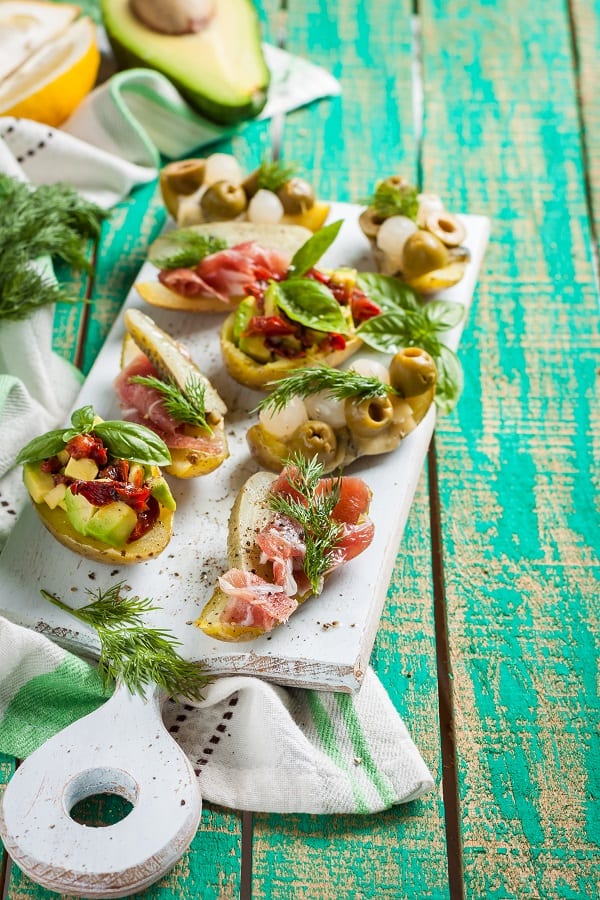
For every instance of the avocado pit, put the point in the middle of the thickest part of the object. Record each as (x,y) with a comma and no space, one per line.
(176,16)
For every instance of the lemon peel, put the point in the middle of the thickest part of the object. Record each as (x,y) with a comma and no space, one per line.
(53,81)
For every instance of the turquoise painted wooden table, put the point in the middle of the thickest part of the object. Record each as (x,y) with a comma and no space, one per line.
(488,642)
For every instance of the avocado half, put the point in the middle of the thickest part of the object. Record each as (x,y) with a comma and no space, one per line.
(220,70)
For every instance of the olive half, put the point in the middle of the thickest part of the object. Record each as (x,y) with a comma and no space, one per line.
(296,196)
(180,179)
(413,375)
(315,438)
(223,200)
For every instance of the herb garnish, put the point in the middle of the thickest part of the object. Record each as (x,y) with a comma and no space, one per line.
(406,321)
(273,174)
(312,511)
(132,652)
(395,200)
(186,405)
(188,248)
(124,440)
(50,221)
(336,383)
(313,249)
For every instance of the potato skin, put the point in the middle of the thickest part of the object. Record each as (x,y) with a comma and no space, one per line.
(250,373)
(147,547)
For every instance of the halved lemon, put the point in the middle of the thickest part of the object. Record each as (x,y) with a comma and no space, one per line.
(27,24)
(52,82)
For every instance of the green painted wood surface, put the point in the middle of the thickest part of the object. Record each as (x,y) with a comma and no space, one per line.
(518,460)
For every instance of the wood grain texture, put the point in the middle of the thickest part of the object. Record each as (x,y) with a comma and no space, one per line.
(346,144)
(517,457)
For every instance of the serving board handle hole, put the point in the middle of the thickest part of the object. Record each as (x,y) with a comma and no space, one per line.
(121,749)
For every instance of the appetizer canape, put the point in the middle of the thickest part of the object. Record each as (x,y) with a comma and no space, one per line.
(336,416)
(414,237)
(287,533)
(304,317)
(98,489)
(210,268)
(160,387)
(215,189)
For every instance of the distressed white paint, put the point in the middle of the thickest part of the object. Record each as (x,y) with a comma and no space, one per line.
(122,748)
(305,651)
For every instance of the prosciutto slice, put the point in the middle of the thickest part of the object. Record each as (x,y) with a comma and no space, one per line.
(253,602)
(145,406)
(256,602)
(228,273)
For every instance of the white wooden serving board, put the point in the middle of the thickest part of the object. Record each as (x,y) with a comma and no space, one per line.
(309,650)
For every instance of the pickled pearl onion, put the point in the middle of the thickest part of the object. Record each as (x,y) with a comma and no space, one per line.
(283,423)
(265,208)
(325,408)
(222,167)
(370,368)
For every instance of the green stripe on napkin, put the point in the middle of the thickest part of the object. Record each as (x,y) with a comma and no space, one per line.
(47,703)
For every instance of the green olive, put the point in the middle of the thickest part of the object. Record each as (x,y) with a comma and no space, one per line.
(413,375)
(296,196)
(180,179)
(315,438)
(423,252)
(222,200)
(369,417)
(448,228)
(370,222)
(396,181)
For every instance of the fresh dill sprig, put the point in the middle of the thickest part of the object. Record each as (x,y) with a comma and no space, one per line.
(132,652)
(313,512)
(185,405)
(273,174)
(189,249)
(337,384)
(52,220)
(395,200)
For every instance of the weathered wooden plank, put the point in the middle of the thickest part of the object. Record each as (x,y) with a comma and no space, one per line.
(345,144)
(502,137)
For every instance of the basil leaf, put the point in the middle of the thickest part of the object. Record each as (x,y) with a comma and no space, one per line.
(450,381)
(83,419)
(388,292)
(136,443)
(311,252)
(444,314)
(44,446)
(312,304)
(391,331)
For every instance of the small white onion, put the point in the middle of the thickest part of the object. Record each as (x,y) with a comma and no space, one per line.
(222,167)
(265,208)
(391,238)
(428,203)
(325,408)
(370,368)
(284,423)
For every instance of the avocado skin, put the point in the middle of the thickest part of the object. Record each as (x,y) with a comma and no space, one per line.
(216,110)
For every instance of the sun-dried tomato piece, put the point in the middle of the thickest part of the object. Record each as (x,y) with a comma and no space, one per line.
(147,518)
(87,446)
(270,326)
(333,341)
(101,493)
(118,470)
(51,465)
(362,307)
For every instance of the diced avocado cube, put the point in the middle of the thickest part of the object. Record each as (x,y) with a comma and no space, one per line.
(56,495)
(270,300)
(79,511)
(161,492)
(243,314)
(83,469)
(112,524)
(38,483)
(254,345)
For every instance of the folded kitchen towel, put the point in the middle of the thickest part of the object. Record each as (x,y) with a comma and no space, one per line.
(253,745)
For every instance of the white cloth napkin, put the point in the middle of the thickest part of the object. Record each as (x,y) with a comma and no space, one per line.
(253,745)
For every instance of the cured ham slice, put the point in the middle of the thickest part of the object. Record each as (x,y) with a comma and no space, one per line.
(354,499)
(229,273)
(253,602)
(145,406)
